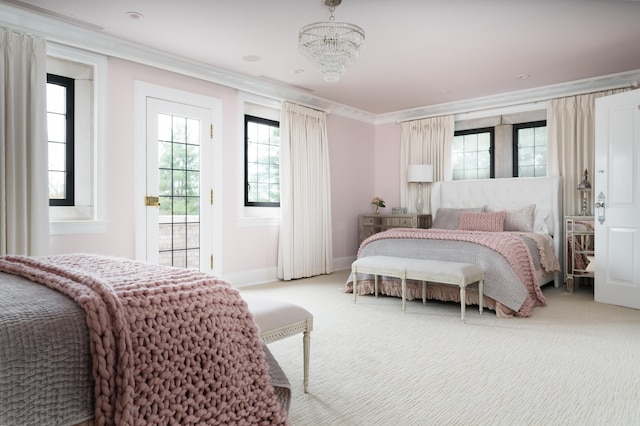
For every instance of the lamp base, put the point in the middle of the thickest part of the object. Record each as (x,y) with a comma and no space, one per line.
(419,200)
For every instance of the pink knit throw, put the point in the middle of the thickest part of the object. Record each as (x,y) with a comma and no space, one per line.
(510,246)
(169,345)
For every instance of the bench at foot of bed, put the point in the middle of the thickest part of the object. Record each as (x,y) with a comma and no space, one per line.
(436,271)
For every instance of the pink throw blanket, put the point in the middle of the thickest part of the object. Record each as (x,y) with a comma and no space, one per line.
(169,345)
(510,246)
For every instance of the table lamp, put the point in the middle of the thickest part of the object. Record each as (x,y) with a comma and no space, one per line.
(420,173)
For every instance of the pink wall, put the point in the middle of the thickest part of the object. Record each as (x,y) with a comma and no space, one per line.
(387,164)
(351,148)
(351,154)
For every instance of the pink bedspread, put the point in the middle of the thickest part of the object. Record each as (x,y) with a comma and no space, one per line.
(510,246)
(169,345)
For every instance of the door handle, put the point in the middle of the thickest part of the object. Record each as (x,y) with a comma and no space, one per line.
(151,201)
(600,207)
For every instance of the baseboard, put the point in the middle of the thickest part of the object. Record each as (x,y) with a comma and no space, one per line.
(268,275)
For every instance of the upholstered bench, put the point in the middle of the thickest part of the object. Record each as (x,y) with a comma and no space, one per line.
(277,320)
(436,271)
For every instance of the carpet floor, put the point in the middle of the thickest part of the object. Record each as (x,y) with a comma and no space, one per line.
(573,362)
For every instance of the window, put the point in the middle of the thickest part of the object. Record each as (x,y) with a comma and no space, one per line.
(262,162)
(60,130)
(530,149)
(472,154)
(76,104)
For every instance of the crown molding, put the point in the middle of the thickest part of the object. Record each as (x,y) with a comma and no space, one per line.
(87,37)
(520,100)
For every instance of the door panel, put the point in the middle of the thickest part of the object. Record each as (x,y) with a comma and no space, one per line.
(617,240)
(179,228)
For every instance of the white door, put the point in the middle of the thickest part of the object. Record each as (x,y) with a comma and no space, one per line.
(617,190)
(179,194)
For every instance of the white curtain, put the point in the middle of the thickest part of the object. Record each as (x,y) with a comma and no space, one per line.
(24,187)
(571,144)
(306,247)
(426,141)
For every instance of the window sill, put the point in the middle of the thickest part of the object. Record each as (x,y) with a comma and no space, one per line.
(69,227)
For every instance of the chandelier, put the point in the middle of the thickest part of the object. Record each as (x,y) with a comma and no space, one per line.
(331,45)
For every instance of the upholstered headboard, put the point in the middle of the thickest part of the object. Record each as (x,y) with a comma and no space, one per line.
(507,193)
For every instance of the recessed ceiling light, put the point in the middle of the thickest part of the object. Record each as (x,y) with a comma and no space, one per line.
(252,58)
(443,91)
(299,71)
(523,76)
(134,15)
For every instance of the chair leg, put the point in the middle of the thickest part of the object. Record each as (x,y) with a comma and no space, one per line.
(306,347)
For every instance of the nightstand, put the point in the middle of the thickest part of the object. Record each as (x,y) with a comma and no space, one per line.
(579,249)
(370,224)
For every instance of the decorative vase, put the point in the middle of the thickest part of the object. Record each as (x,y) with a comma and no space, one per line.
(377,209)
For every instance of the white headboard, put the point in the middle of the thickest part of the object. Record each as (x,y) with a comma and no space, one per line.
(507,193)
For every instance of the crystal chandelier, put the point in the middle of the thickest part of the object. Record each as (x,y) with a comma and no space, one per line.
(331,45)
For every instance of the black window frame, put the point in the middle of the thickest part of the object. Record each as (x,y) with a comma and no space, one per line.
(516,128)
(247,119)
(492,146)
(69,85)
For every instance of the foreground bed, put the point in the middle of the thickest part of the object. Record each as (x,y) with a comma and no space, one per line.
(524,255)
(141,344)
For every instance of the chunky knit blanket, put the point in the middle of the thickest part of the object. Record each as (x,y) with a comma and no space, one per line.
(510,246)
(169,345)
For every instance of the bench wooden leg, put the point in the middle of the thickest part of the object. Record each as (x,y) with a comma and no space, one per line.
(481,294)
(354,272)
(306,347)
(375,285)
(463,301)
(424,292)
(404,293)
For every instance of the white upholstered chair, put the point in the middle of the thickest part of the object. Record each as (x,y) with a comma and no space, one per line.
(277,319)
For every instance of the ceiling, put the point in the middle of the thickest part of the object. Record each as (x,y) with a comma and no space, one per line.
(418,53)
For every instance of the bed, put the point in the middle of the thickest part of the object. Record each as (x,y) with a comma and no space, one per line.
(114,341)
(511,227)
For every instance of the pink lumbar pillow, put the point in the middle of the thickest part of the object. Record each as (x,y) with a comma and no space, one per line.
(490,222)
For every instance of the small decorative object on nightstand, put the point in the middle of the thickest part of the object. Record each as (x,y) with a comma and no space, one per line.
(379,202)
(585,187)
(370,224)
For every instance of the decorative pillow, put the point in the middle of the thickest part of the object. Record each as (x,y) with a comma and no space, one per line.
(520,220)
(490,222)
(540,222)
(447,218)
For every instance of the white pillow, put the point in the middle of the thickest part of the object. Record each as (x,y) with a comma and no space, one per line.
(540,222)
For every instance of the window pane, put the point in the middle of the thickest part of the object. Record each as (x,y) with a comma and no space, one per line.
(57,157)
(164,127)
(193,157)
(179,129)
(193,132)
(193,183)
(57,185)
(57,127)
(525,156)
(56,98)
(164,155)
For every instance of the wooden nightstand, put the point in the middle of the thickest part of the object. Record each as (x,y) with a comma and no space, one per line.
(370,224)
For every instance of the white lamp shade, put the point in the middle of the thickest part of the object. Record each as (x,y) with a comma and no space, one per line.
(420,173)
